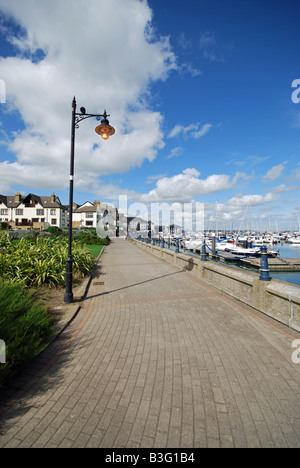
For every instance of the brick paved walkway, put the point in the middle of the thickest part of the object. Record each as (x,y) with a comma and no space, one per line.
(156,358)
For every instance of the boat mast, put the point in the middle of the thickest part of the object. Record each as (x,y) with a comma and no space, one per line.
(249,223)
(217,228)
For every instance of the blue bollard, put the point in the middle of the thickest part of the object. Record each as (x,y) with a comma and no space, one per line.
(264,266)
(162,243)
(203,253)
(177,247)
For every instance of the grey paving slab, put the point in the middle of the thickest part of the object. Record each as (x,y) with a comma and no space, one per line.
(157,358)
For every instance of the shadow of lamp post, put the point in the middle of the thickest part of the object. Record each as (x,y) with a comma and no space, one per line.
(105,131)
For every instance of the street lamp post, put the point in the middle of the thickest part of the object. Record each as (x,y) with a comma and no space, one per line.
(105,131)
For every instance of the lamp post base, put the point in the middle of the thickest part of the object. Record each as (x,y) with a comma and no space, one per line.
(68,298)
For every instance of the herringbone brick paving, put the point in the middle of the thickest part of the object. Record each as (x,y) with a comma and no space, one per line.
(156,358)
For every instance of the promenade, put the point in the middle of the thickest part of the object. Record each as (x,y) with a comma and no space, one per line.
(157,358)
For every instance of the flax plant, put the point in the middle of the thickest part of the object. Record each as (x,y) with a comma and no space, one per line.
(41,261)
(25,326)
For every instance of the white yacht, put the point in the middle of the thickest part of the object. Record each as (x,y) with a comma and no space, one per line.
(294,240)
(247,251)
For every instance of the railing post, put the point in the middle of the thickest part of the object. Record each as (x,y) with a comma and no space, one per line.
(264,266)
(213,245)
(203,253)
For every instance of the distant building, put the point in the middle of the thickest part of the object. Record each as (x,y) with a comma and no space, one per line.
(33,211)
(137,226)
(97,215)
(85,215)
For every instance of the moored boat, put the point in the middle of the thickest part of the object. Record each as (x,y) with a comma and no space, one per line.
(294,240)
(246,251)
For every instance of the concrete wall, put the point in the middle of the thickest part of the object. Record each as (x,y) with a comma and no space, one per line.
(275,298)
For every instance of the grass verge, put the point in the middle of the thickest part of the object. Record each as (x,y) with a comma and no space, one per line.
(94,249)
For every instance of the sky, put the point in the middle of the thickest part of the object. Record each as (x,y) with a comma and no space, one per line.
(204,97)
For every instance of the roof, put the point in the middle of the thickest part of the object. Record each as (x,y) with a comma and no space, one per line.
(3,200)
(47,203)
(86,209)
(44,201)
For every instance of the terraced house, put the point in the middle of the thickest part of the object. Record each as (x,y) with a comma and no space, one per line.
(90,214)
(33,211)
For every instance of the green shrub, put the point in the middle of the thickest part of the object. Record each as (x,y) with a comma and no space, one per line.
(41,261)
(90,238)
(4,226)
(25,326)
(20,234)
(54,230)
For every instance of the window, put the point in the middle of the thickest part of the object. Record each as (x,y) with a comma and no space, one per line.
(39,212)
(19,212)
(89,223)
(53,221)
(52,212)
(4,212)
(89,215)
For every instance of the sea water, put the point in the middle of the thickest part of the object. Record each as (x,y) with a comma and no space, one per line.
(287,251)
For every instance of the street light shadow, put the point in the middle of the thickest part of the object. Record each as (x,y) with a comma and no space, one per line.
(105,293)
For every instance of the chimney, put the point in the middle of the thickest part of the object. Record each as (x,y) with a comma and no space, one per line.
(96,204)
(18,197)
(52,198)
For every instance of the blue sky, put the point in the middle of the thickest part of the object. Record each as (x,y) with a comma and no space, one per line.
(200,95)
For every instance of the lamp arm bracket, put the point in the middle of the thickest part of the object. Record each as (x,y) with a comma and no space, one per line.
(80,117)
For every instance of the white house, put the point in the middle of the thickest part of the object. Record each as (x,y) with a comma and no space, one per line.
(90,215)
(85,215)
(33,211)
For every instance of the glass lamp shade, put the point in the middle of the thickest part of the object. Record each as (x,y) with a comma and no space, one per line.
(105,130)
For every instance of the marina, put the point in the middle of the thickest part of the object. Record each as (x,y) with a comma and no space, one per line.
(283,251)
(285,266)
(276,264)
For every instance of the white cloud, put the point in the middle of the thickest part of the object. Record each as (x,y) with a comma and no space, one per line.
(210,49)
(152,178)
(250,161)
(200,133)
(192,130)
(105,54)
(175,152)
(187,185)
(274,173)
(187,68)
(239,201)
(239,208)
(283,188)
